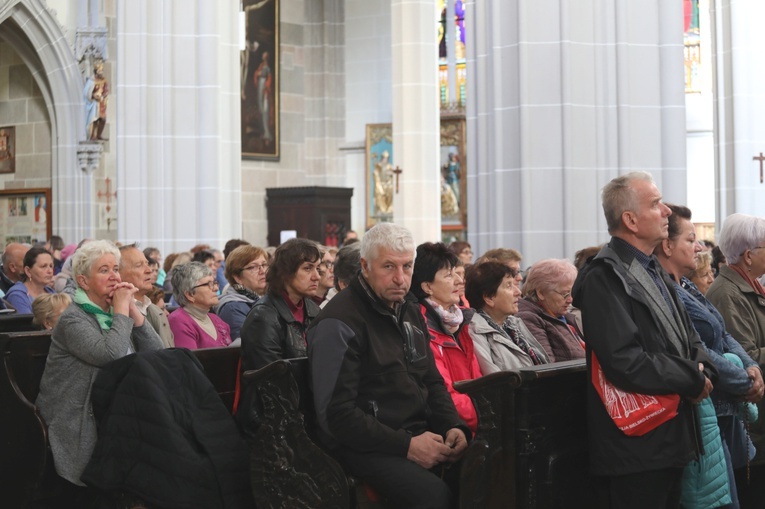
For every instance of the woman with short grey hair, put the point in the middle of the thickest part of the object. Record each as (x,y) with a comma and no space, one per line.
(738,296)
(195,289)
(103,324)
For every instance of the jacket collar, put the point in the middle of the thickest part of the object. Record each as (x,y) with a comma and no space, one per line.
(311,309)
(734,277)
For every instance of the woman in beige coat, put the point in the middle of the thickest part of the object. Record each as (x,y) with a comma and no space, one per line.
(501,341)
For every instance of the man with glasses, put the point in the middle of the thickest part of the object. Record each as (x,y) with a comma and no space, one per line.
(381,403)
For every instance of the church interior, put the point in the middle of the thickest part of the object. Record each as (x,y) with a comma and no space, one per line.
(174,123)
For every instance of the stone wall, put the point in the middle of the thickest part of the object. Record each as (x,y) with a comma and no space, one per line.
(22,106)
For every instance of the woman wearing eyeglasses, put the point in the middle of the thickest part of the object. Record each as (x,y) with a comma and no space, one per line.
(246,268)
(545,309)
(196,291)
(275,327)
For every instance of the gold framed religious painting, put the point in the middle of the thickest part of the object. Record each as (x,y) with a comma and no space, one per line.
(7,149)
(25,216)
(259,85)
(379,173)
(453,178)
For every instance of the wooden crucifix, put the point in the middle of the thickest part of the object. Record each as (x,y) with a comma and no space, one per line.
(760,158)
(397,172)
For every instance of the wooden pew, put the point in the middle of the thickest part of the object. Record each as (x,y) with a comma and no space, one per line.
(14,322)
(26,464)
(530,450)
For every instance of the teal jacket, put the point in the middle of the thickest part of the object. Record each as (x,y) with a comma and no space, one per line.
(705,482)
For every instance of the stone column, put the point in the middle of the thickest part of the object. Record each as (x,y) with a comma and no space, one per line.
(561,99)
(417,206)
(739,103)
(179,172)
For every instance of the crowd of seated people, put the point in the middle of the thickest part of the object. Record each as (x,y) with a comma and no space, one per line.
(103,302)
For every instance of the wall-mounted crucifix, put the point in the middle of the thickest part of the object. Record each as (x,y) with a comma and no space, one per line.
(397,172)
(108,194)
(760,158)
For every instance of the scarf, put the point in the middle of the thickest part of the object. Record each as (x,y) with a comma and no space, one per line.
(241,290)
(452,317)
(755,284)
(104,319)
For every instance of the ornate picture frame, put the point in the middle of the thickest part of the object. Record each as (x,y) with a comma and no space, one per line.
(379,173)
(259,85)
(25,215)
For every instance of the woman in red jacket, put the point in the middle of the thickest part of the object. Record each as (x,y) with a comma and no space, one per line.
(437,286)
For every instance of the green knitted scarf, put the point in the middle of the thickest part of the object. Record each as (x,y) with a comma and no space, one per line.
(82,300)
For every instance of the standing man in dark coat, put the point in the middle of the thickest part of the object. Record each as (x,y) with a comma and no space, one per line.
(646,344)
(381,404)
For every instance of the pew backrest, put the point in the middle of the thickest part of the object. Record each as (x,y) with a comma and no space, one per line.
(15,322)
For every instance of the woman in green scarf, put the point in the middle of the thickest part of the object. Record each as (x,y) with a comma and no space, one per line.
(102,325)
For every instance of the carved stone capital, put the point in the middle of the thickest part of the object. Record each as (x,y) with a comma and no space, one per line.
(89,155)
(90,43)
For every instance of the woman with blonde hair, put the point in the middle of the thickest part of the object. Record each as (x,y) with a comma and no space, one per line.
(48,308)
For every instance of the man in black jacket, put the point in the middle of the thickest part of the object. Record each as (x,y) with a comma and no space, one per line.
(645,343)
(381,403)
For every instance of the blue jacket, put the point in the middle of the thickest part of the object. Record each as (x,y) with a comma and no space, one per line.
(18,297)
(734,380)
(705,482)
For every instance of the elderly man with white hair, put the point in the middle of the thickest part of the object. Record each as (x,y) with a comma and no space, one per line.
(382,406)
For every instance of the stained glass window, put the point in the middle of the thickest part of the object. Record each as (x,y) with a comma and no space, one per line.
(692,41)
(451,55)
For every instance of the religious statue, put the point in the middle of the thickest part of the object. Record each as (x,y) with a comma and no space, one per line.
(96,96)
(383,180)
(449,204)
(453,174)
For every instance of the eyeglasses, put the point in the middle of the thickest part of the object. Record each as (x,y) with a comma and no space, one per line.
(328,265)
(565,295)
(212,285)
(258,267)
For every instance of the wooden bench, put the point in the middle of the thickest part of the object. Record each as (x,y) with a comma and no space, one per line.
(26,465)
(530,450)
(14,322)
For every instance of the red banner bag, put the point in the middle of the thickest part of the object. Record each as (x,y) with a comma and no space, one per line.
(634,414)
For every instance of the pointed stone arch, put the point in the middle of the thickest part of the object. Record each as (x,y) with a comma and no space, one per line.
(32,30)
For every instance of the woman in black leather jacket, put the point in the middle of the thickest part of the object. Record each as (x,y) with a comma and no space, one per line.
(275,327)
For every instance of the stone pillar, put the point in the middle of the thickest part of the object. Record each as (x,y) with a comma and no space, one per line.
(561,99)
(179,172)
(739,103)
(417,206)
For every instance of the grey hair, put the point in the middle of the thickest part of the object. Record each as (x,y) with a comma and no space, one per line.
(546,275)
(85,256)
(185,277)
(618,196)
(347,264)
(387,235)
(739,233)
